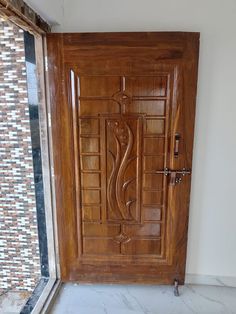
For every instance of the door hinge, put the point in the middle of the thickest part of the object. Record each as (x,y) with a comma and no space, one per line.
(49,120)
(46,63)
(52,171)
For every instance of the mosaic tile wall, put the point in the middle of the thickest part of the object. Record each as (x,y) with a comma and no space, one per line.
(19,250)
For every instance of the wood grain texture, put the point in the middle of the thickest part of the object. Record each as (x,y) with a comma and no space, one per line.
(18,12)
(118,100)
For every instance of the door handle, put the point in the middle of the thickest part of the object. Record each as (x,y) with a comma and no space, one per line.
(176,146)
(175,175)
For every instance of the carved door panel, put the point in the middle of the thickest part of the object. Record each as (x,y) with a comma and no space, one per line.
(123,141)
(123,136)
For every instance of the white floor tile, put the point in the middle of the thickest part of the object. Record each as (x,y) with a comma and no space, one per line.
(142,299)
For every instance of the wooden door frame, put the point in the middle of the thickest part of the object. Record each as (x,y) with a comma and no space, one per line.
(180,46)
(24,17)
(21,14)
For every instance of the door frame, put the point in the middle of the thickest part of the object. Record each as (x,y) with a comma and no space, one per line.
(23,16)
(179,45)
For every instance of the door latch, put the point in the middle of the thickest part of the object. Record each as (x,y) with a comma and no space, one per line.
(176,147)
(175,175)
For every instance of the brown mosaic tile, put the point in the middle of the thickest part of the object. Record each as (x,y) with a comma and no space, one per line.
(19,250)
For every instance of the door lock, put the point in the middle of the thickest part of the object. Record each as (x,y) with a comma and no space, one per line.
(175,175)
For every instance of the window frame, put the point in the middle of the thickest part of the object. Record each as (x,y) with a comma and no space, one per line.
(20,14)
(54,282)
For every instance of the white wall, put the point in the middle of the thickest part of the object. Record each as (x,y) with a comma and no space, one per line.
(212,230)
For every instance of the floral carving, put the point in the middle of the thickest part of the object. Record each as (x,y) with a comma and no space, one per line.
(117,185)
(122,238)
(122,98)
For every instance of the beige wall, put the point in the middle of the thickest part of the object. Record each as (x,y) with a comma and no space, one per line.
(212,232)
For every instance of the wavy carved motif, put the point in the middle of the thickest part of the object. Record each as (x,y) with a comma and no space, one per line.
(117,185)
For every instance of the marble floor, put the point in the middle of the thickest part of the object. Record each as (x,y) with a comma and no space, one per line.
(137,299)
(12,302)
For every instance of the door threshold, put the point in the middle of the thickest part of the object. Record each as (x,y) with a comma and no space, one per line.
(42,297)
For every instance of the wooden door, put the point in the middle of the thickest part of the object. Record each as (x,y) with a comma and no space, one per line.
(122,110)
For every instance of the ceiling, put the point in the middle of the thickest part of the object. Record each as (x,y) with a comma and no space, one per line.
(49,10)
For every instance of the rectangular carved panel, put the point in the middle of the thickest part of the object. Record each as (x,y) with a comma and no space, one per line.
(90,162)
(155,126)
(142,247)
(99,86)
(147,86)
(91,213)
(147,107)
(122,124)
(123,160)
(91,107)
(104,246)
(89,126)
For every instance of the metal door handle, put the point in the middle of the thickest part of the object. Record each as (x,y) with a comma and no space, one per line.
(176,147)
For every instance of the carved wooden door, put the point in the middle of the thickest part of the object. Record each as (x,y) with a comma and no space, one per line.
(122,125)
